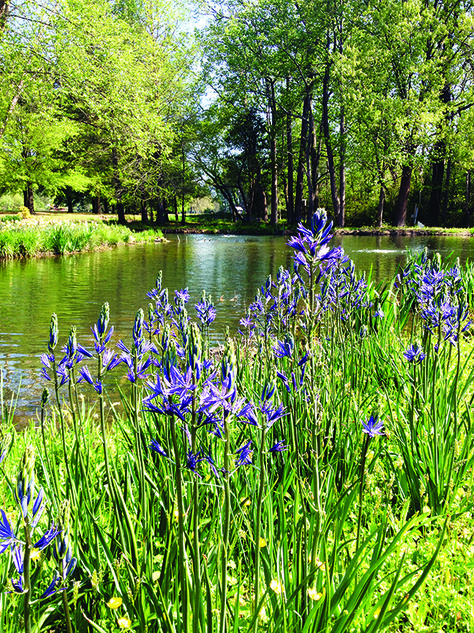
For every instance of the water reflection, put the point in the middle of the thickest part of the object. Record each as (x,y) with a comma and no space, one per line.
(229,267)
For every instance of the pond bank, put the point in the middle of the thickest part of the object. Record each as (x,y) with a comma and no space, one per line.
(38,237)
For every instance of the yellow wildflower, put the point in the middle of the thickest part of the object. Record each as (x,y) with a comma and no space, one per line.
(314,594)
(114,603)
(276,586)
(124,623)
(35,554)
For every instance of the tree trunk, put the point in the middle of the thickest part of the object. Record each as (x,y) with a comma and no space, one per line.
(118,188)
(309,172)
(315,159)
(467,199)
(183,213)
(260,204)
(28,200)
(290,201)
(439,160)
(403,193)
(175,207)
(273,155)
(342,169)
(15,98)
(329,152)
(4,11)
(95,204)
(380,207)
(437,174)
(160,212)
(447,186)
(274,189)
(301,158)
(143,211)
(69,200)
(165,211)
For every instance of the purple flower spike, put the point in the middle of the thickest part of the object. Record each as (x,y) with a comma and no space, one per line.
(17,556)
(181,296)
(17,585)
(52,587)
(283,349)
(373,426)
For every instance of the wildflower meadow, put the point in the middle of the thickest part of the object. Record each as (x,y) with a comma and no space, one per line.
(313,474)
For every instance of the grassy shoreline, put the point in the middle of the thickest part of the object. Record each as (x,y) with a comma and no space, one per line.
(42,237)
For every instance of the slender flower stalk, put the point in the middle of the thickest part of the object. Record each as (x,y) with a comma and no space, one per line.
(181,536)
(372,427)
(226,526)
(53,341)
(258,520)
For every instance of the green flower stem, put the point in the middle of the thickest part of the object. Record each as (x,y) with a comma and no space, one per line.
(70,481)
(67,614)
(226,528)
(143,505)
(196,546)
(43,437)
(258,521)
(181,553)
(27,576)
(103,429)
(361,488)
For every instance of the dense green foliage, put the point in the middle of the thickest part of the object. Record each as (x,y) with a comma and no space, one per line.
(91,98)
(305,478)
(273,107)
(341,104)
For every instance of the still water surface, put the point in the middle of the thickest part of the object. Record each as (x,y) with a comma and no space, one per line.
(228,267)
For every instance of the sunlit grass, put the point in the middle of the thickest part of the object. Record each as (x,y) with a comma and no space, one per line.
(29,239)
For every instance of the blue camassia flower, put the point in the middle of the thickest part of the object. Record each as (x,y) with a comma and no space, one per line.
(279,447)
(244,455)
(284,349)
(414,354)
(373,426)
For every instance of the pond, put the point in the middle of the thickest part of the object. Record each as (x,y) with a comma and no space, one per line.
(230,268)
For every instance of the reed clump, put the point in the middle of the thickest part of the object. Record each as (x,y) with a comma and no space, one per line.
(30,239)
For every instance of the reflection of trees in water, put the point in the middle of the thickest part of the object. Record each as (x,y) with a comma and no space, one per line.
(229,267)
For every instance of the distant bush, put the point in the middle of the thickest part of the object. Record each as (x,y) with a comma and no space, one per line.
(25,212)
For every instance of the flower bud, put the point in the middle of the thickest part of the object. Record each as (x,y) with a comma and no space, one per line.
(53,332)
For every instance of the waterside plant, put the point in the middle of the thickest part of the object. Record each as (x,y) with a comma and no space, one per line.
(18,239)
(303,479)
